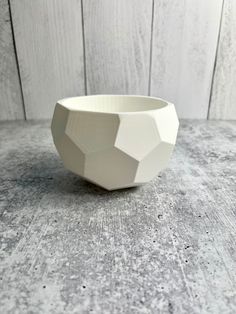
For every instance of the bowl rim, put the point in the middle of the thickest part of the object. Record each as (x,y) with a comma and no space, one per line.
(64,102)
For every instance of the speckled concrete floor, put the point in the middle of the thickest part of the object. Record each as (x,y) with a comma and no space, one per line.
(70,247)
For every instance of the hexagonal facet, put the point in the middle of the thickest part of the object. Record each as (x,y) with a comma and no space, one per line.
(92,132)
(112,169)
(73,158)
(115,141)
(59,123)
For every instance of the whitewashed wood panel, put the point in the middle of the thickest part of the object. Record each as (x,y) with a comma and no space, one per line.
(185,38)
(223,100)
(117,45)
(11,105)
(50,50)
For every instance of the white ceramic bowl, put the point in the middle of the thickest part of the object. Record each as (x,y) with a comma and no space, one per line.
(115,141)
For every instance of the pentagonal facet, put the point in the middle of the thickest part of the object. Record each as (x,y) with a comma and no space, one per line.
(111,169)
(137,135)
(167,123)
(73,158)
(91,131)
(153,163)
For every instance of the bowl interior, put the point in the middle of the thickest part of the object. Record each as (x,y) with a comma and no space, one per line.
(113,103)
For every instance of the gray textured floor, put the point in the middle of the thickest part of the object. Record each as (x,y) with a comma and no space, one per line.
(70,247)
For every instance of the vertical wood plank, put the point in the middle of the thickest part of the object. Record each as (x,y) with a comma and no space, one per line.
(11,104)
(223,100)
(117,45)
(184,46)
(50,49)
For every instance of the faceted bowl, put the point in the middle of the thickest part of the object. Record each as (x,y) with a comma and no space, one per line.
(115,141)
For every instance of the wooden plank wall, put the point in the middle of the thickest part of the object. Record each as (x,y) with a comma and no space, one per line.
(49,43)
(117,45)
(223,100)
(183,51)
(185,37)
(11,104)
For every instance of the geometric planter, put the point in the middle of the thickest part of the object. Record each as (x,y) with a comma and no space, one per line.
(115,141)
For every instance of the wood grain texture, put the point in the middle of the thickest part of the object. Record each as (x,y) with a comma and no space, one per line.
(223,100)
(11,105)
(184,46)
(166,247)
(50,50)
(117,45)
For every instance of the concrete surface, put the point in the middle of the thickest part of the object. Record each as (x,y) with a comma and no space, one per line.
(68,246)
